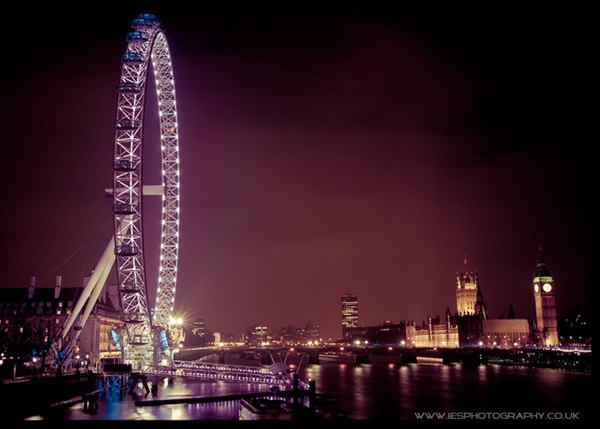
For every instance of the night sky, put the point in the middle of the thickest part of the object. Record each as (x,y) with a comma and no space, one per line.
(323,152)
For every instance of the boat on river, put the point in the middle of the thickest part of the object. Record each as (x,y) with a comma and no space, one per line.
(320,407)
(266,409)
(338,357)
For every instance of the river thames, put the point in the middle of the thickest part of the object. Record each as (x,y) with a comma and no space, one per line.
(378,392)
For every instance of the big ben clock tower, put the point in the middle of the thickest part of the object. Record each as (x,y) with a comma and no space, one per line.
(545,303)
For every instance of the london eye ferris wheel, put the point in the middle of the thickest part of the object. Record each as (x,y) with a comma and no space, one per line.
(146,331)
(147,51)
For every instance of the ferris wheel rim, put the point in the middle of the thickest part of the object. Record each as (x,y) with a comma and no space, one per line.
(147,50)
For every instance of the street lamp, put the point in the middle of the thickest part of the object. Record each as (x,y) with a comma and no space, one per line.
(175,335)
(176,330)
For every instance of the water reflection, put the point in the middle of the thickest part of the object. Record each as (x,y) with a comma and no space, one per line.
(375,392)
(394,392)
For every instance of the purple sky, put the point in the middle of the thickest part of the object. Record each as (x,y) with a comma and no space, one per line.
(322,153)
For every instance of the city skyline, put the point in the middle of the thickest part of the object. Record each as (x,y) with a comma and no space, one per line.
(350,314)
(321,154)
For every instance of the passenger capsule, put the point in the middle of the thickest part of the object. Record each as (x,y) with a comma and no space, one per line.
(128,87)
(132,57)
(140,36)
(127,124)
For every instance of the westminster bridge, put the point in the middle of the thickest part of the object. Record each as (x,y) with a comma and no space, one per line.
(564,358)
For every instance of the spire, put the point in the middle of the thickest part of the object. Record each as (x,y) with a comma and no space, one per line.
(465,259)
(511,312)
(541,268)
(480,305)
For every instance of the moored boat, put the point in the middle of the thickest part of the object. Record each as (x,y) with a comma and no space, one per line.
(430,360)
(320,407)
(338,357)
(265,409)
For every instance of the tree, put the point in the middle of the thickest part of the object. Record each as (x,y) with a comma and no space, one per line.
(18,339)
(45,331)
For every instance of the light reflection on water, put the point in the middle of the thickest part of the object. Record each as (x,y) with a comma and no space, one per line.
(394,392)
(376,392)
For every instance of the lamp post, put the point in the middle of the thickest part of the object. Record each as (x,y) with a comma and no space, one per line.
(176,336)
(77,367)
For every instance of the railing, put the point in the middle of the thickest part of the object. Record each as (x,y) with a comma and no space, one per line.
(48,374)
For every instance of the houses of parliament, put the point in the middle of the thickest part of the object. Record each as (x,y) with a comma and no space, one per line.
(470,325)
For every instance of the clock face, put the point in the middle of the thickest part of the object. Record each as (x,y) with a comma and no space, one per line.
(536,288)
(547,287)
